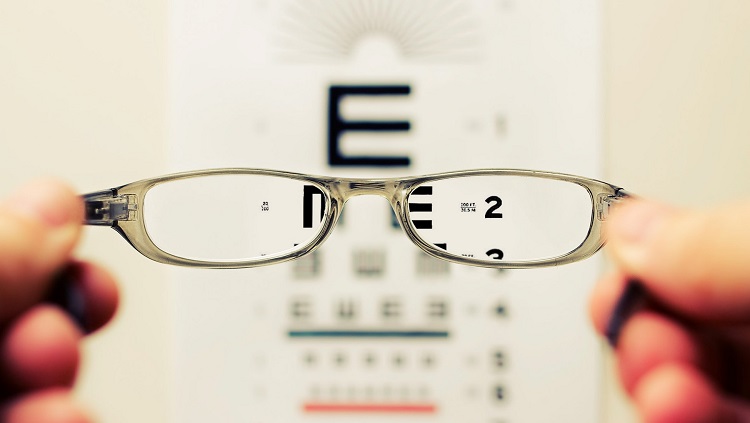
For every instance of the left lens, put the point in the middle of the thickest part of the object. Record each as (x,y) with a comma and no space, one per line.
(233,217)
(501,217)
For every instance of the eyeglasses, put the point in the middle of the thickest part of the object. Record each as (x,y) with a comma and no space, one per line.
(233,218)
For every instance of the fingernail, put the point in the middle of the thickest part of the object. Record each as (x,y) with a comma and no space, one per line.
(44,201)
(631,300)
(66,293)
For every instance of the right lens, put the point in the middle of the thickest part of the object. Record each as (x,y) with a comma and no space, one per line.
(233,217)
(513,218)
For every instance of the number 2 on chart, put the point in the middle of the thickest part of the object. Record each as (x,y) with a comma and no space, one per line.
(491,212)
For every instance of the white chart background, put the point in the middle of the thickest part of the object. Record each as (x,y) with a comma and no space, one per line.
(492,84)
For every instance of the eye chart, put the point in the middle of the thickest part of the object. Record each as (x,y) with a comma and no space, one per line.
(369,328)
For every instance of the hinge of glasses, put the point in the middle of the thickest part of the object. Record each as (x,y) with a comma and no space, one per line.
(106,207)
(606,201)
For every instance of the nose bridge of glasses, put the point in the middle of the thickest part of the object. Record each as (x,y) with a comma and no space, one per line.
(385,188)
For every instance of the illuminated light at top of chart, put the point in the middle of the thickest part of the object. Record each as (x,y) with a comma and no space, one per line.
(432,31)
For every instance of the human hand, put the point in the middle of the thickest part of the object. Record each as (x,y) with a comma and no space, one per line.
(684,355)
(39,341)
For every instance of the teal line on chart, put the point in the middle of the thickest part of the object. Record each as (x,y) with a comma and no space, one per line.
(368,334)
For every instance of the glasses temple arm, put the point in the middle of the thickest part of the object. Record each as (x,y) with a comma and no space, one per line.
(622,194)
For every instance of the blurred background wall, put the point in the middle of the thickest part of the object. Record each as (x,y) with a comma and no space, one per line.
(82,79)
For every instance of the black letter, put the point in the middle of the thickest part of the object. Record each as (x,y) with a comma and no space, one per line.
(307,204)
(337,125)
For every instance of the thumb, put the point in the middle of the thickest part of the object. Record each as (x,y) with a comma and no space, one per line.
(39,226)
(696,262)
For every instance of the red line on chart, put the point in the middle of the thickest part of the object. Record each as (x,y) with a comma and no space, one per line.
(395,408)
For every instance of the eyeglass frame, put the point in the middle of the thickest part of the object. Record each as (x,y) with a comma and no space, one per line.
(119,208)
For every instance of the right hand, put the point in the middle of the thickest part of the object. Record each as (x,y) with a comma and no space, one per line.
(684,357)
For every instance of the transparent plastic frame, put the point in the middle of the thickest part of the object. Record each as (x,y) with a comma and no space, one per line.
(120,208)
